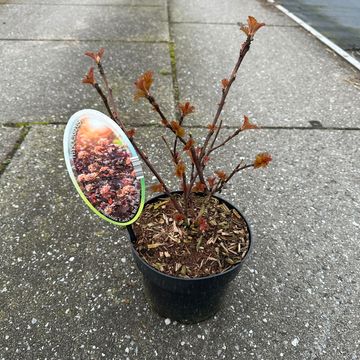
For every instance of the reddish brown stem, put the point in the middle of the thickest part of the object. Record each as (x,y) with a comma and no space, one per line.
(198,167)
(176,139)
(236,170)
(138,150)
(215,137)
(158,177)
(243,50)
(176,160)
(104,99)
(235,133)
(109,90)
(196,159)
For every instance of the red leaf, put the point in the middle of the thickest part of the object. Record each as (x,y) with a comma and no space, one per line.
(186,109)
(130,133)
(89,77)
(262,160)
(96,56)
(224,83)
(203,225)
(221,175)
(143,84)
(178,130)
(156,188)
(180,169)
(252,26)
(199,187)
(212,127)
(211,181)
(189,144)
(247,124)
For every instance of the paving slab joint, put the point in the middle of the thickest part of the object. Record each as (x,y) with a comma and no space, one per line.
(4,164)
(227,24)
(120,41)
(85,5)
(28,123)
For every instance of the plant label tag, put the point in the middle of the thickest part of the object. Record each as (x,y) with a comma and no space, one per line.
(104,167)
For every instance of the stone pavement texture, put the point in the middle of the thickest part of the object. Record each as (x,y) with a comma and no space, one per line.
(68,286)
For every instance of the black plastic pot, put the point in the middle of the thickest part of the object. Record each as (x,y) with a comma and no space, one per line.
(184,299)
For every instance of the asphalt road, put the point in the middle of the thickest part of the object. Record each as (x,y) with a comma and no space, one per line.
(338,20)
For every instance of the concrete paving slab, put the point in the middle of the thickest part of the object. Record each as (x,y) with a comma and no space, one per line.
(69,289)
(67,22)
(230,11)
(277,85)
(42,80)
(8,139)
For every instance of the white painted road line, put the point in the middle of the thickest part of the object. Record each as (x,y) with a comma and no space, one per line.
(320,36)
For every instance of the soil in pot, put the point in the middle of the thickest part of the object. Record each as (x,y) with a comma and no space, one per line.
(173,249)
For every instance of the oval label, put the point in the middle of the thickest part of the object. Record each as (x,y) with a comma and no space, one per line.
(104,167)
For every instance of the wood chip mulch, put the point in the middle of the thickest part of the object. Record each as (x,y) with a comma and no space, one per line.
(177,250)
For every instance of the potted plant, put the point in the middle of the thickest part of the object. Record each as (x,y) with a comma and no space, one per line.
(189,243)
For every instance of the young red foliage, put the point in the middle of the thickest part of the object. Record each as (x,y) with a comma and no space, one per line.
(186,109)
(247,124)
(211,127)
(211,181)
(221,174)
(156,188)
(224,83)
(180,169)
(143,85)
(199,187)
(130,133)
(189,144)
(178,130)
(262,160)
(197,154)
(96,56)
(89,77)
(252,27)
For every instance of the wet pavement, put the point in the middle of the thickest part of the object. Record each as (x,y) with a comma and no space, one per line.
(68,286)
(337,20)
